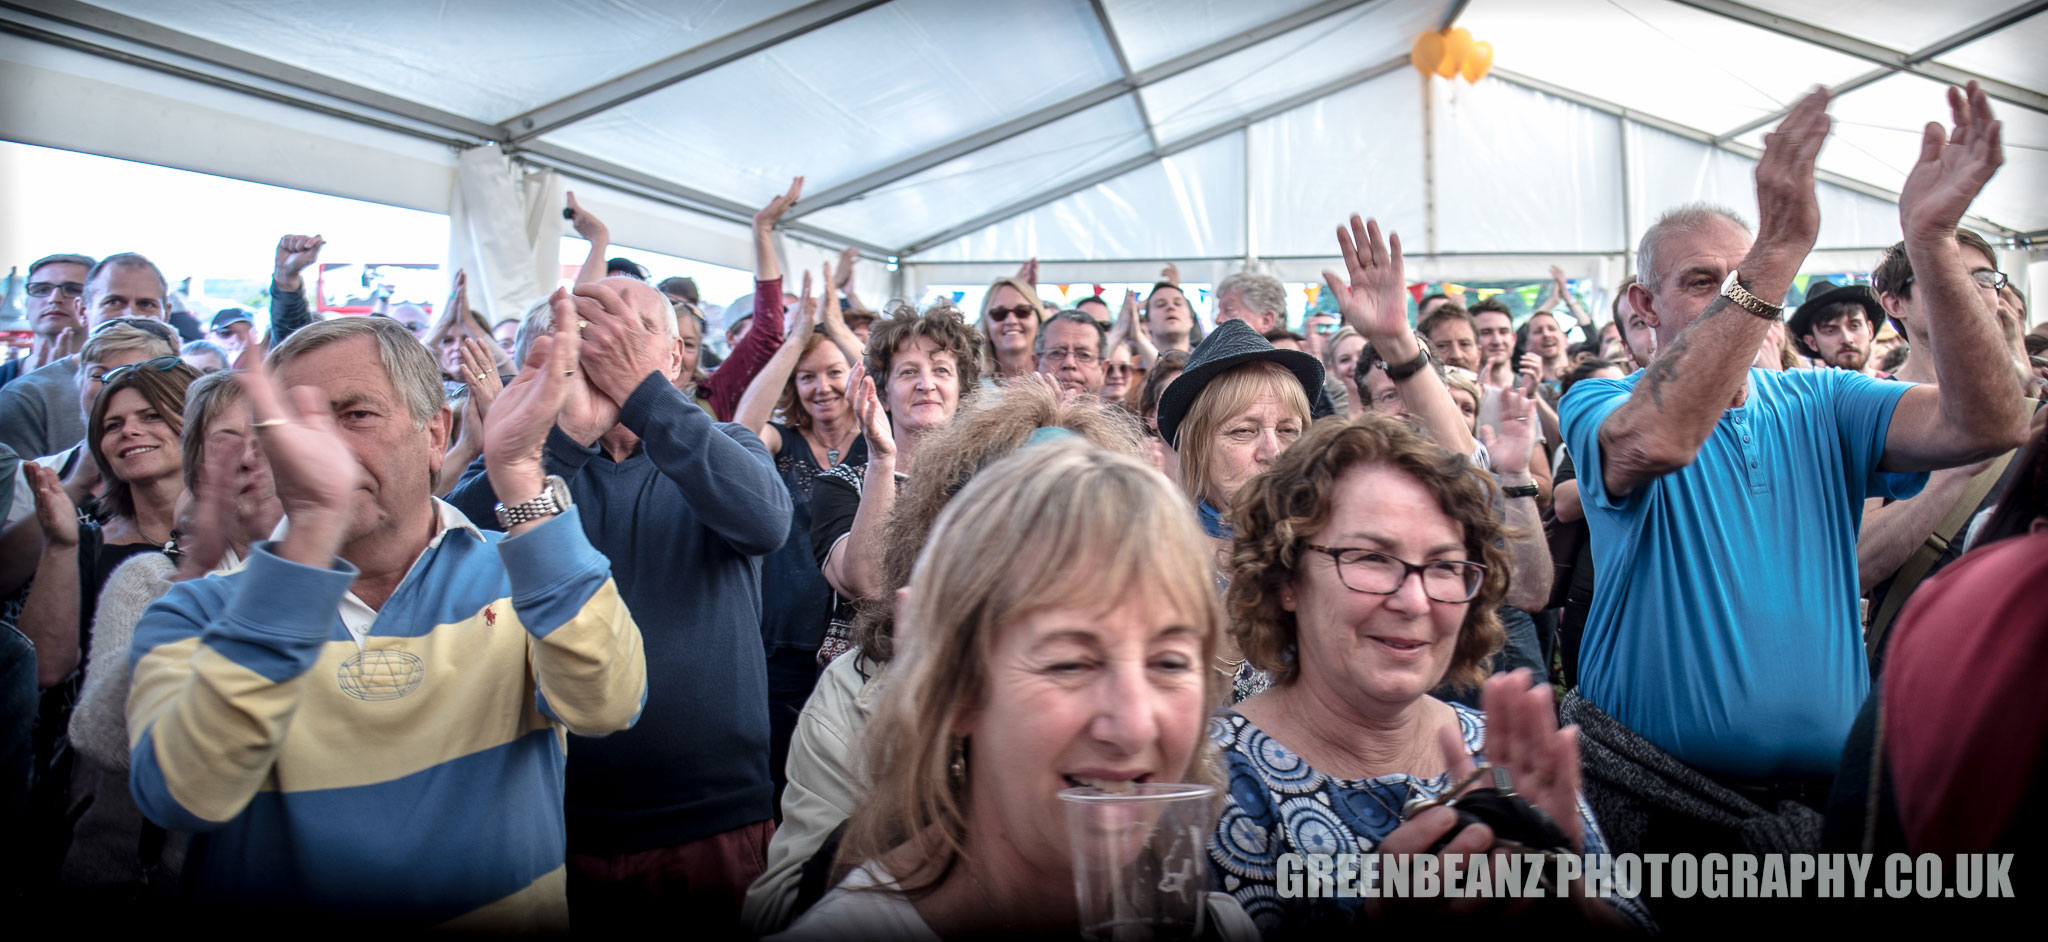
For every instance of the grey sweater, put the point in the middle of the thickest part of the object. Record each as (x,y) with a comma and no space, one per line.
(39,412)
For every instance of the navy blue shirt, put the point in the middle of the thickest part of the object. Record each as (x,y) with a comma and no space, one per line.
(685,521)
(1724,623)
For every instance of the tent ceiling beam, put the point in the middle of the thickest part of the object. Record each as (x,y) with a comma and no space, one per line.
(1695,134)
(583,166)
(1192,141)
(1925,53)
(1457,9)
(1872,52)
(1131,82)
(691,62)
(215,56)
(1123,64)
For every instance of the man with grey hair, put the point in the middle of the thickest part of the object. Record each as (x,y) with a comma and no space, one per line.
(383,670)
(1256,299)
(672,819)
(1724,501)
(55,287)
(1071,348)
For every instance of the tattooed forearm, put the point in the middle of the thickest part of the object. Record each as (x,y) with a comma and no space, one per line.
(1665,368)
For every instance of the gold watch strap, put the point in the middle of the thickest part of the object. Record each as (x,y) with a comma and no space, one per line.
(1751,303)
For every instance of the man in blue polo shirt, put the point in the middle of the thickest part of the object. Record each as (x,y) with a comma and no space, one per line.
(1724,501)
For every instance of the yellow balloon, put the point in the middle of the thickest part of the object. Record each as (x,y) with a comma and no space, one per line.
(1457,45)
(1428,51)
(1478,63)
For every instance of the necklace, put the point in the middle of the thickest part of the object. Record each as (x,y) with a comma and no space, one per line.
(832,453)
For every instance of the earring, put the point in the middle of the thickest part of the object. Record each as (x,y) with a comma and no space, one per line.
(957,769)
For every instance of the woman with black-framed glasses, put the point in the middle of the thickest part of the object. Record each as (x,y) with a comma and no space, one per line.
(1366,568)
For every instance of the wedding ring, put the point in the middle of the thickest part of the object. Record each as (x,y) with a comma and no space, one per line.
(479,377)
(1521,418)
(270,423)
(568,372)
(580,324)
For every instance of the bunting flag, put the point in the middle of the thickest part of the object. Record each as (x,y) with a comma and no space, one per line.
(1313,290)
(1098,290)
(1415,291)
(1063,289)
(959,296)
(1485,293)
(1529,293)
(1456,291)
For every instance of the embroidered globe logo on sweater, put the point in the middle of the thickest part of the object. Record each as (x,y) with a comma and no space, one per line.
(381,675)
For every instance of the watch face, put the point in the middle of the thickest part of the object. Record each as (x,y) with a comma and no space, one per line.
(1728,283)
(559,490)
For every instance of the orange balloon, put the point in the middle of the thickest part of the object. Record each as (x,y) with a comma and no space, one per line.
(1457,45)
(1428,51)
(1478,63)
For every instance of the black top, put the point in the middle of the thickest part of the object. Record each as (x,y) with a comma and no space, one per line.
(796,601)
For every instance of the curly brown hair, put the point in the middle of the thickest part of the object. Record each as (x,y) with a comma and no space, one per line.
(943,324)
(996,424)
(1277,511)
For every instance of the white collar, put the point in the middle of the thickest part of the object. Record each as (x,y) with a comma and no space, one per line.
(357,614)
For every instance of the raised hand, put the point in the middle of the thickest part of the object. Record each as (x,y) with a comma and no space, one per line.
(481,373)
(294,254)
(770,214)
(806,320)
(874,420)
(516,430)
(847,257)
(830,318)
(1788,210)
(1375,301)
(214,518)
(316,474)
(1170,274)
(1511,445)
(1028,272)
(1953,168)
(588,227)
(1542,760)
(614,341)
(55,513)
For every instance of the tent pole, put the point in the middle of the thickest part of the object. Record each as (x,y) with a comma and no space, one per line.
(1428,167)
(1628,216)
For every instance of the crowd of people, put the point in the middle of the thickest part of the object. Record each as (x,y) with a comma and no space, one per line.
(551,621)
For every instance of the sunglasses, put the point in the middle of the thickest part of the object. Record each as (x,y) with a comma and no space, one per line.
(159,364)
(160,329)
(1005,313)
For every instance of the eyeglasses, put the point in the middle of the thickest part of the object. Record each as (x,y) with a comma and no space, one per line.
(1080,357)
(159,364)
(1113,368)
(43,289)
(1444,580)
(1986,278)
(1005,313)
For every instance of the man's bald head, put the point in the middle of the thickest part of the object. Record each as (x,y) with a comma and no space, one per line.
(653,309)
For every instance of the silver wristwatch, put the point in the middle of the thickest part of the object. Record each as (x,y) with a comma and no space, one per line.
(554,498)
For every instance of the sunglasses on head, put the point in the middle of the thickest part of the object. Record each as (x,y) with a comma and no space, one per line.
(159,364)
(1005,313)
(159,328)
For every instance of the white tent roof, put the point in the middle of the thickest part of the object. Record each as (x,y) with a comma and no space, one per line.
(960,136)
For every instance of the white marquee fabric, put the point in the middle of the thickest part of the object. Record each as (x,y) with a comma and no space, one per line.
(959,137)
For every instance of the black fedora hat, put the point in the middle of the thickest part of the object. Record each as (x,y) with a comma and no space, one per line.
(1232,344)
(1821,296)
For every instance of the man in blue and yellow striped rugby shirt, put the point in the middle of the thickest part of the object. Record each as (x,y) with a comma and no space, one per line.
(371,717)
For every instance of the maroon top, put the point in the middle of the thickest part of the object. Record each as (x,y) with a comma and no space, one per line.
(726,385)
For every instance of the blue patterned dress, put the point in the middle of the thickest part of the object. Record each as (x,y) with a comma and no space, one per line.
(1280,805)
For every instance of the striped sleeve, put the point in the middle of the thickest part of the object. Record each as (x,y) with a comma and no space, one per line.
(219,668)
(586,650)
